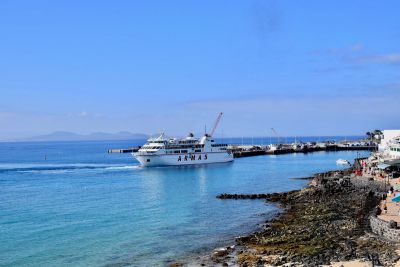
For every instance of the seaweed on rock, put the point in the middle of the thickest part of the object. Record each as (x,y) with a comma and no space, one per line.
(322,223)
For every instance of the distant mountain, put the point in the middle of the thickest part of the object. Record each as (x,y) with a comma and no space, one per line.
(97,136)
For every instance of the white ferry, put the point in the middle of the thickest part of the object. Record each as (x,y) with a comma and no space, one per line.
(161,151)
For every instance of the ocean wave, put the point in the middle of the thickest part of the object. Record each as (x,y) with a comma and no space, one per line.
(61,168)
(123,167)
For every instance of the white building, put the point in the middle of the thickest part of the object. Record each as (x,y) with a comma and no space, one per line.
(388,135)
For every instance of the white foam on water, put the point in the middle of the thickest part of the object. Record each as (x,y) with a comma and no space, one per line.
(130,167)
(61,168)
(46,171)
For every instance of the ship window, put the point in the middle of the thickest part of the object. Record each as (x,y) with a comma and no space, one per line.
(197,150)
(148,160)
(176,151)
(183,151)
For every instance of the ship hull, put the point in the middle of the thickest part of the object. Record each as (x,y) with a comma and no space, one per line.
(183,159)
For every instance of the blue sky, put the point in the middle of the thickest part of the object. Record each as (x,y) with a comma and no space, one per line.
(302,67)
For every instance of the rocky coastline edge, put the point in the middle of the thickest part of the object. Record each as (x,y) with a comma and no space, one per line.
(326,222)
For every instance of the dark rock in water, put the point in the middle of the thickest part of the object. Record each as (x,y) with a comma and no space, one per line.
(302,178)
(176,264)
(220,252)
(243,196)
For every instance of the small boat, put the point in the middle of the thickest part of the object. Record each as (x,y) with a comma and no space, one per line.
(272,147)
(342,162)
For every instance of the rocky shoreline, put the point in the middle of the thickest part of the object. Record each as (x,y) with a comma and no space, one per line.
(326,222)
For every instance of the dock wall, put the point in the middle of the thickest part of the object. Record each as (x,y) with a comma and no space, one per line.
(239,153)
(387,230)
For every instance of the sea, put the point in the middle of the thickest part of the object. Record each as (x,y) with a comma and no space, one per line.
(73,204)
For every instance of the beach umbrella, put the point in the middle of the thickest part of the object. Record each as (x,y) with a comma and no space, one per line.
(396,198)
(383,166)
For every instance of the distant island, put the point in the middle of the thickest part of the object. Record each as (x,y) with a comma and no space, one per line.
(70,136)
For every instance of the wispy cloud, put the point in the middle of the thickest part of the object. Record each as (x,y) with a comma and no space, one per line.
(83,114)
(356,100)
(341,52)
(7,115)
(315,114)
(356,47)
(393,58)
(357,53)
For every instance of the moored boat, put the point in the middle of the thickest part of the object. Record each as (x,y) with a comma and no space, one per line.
(342,162)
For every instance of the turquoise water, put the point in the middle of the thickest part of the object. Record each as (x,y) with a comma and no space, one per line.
(72,204)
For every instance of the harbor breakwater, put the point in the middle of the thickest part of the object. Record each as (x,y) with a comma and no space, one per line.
(247,150)
(329,221)
(257,150)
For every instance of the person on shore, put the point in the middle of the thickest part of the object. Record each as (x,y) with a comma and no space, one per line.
(385,207)
(391,191)
(379,210)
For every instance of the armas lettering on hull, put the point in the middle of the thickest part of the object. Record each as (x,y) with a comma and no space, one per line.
(192,157)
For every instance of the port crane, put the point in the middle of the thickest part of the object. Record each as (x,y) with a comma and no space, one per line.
(277,135)
(216,124)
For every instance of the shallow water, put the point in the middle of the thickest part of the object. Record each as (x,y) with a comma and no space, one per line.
(72,204)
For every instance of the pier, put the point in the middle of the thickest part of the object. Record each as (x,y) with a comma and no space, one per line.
(240,151)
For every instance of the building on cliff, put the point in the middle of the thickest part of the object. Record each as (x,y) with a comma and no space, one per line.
(388,135)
